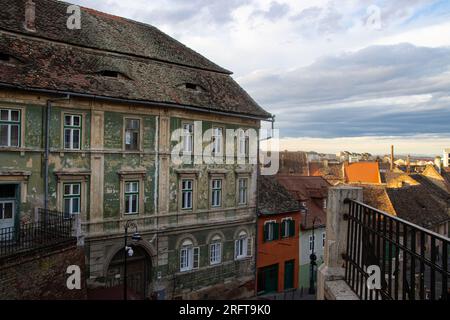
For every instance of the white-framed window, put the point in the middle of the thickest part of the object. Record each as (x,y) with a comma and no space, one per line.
(217,139)
(189,256)
(187,187)
(271,230)
(216,192)
(215,252)
(324,203)
(72,132)
(243,246)
(72,198)
(287,228)
(9,128)
(323,239)
(131,197)
(243,191)
(243,143)
(132,134)
(188,138)
(311,242)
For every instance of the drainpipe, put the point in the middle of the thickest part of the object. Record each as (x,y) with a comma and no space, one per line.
(258,173)
(47,148)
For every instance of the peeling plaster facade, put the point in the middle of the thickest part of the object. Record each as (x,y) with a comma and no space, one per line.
(100,166)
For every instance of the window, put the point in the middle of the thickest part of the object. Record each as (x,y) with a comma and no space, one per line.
(217,141)
(243,143)
(9,128)
(243,246)
(132,133)
(188,141)
(271,231)
(216,192)
(186,193)
(243,187)
(311,243)
(215,252)
(189,256)
(72,198)
(131,197)
(72,132)
(323,239)
(288,228)
(324,203)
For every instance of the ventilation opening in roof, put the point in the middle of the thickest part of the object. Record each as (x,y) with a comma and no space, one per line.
(109,73)
(5,57)
(191,86)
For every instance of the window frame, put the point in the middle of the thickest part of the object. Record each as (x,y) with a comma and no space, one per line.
(217,252)
(140,135)
(71,196)
(286,225)
(189,134)
(72,127)
(214,141)
(130,194)
(9,123)
(312,239)
(243,137)
(216,193)
(245,203)
(187,190)
(191,254)
(324,235)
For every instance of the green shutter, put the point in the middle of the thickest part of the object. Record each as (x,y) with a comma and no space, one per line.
(276,231)
(265,232)
(292,228)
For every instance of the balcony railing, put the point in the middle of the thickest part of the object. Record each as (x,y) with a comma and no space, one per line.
(52,228)
(413,261)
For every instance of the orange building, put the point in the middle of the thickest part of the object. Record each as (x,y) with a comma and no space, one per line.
(277,258)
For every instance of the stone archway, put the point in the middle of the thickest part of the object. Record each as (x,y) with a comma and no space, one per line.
(138,271)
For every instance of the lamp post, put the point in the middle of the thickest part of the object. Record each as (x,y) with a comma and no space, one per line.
(312,258)
(128,251)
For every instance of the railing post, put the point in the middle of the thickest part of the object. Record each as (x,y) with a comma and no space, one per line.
(76,230)
(332,270)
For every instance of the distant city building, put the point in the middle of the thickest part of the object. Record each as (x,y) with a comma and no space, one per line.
(446,158)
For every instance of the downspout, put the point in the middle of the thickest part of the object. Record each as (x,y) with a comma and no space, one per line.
(258,173)
(47,149)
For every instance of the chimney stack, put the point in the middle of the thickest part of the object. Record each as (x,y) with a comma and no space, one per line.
(408,164)
(392,158)
(30,16)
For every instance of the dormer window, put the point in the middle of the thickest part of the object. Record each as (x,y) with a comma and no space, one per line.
(7,58)
(191,87)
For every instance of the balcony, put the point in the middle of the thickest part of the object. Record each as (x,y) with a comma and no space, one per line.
(50,229)
(371,255)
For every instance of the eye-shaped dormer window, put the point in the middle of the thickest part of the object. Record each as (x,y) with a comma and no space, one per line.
(112,74)
(192,87)
(7,58)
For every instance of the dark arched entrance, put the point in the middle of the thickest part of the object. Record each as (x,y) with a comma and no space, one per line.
(138,272)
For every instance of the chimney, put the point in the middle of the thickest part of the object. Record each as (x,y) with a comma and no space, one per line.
(392,158)
(30,16)
(408,164)
(438,163)
(325,163)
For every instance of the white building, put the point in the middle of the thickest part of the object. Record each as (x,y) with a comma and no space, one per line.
(446,157)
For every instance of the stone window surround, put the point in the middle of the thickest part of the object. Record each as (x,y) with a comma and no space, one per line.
(81,177)
(22,127)
(82,114)
(17,177)
(131,175)
(216,175)
(243,175)
(184,174)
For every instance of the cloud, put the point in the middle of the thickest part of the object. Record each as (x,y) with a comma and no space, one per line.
(381,90)
(275,11)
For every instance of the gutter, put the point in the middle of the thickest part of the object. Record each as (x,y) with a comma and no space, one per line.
(138,102)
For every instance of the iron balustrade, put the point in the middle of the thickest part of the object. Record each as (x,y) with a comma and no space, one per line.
(52,228)
(412,260)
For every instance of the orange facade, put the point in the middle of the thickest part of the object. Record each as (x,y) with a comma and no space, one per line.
(281,252)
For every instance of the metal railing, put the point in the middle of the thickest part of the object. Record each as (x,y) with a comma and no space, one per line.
(52,228)
(412,261)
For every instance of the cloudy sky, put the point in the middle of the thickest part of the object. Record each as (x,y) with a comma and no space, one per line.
(339,75)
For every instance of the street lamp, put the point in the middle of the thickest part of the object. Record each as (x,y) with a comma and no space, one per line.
(128,251)
(312,259)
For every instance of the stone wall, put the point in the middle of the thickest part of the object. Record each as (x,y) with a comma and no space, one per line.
(41,275)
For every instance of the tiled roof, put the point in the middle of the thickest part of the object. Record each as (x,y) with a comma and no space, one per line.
(153,67)
(304,187)
(415,204)
(273,198)
(362,172)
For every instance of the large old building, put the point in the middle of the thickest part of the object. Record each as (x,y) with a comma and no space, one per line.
(87,116)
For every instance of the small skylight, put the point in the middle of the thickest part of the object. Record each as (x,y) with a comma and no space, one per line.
(191,86)
(4,57)
(109,73)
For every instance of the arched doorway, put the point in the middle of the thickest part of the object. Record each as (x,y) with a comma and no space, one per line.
(138,272)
